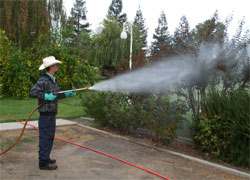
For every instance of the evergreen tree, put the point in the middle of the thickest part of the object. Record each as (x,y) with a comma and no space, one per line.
(139,22)
(161,46)
(212,30)
(182,37)
(78,21)
(115,10)
(78,16)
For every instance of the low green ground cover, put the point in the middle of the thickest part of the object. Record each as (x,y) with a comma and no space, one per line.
(68,108)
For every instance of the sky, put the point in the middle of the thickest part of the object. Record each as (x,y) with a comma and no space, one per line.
(196,11)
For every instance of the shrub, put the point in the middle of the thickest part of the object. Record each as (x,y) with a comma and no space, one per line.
(108,109)
(160,116)
(19,69)
(212,135)
(154,113)
(223,128)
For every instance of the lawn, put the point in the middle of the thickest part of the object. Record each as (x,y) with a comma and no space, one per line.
(68,108)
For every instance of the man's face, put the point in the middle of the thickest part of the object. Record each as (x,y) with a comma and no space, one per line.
(54,68)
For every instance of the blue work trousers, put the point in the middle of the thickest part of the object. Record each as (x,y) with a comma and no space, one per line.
(47,127)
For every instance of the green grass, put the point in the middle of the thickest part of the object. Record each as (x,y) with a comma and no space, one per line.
(68,108)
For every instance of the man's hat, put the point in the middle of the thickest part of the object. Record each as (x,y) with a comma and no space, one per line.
(49,61)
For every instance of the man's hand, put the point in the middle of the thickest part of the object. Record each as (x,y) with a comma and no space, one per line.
(49,97)
(70,94)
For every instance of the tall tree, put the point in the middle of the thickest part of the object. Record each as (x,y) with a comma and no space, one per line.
(161,45)
(78,15)
(182,37)
(206,37)
(13,20)
(78,20)
(19,19)
(115,10)
(58,19)
(212,30)
(107,47)
(24,21)
(139,22)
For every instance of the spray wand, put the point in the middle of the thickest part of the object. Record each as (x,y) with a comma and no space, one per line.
(73,90)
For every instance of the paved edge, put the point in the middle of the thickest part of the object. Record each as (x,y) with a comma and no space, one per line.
(16,125)
(223,168)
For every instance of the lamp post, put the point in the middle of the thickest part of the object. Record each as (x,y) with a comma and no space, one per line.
(124,36)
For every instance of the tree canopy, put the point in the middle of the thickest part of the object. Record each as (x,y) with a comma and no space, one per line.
(115,10)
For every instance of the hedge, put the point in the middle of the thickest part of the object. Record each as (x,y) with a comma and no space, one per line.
(19,69)
(223,127)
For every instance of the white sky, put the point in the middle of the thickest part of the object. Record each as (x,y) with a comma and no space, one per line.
(196,11)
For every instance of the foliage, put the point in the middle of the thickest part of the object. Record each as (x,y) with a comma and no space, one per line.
(223,127)
(108,51)
(158,114)
(25,21)
(182,37)
(224,69)
(121,111)
(19,69)
(96,106)
(16,70)
(76,19)
(78,14)
(211,135)
(139,22)
(237,60)
(210,30)
(74,71)
(162,44)
(114,11)
(107,47)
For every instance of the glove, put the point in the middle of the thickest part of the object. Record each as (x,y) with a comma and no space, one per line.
(67,94)
(49,97)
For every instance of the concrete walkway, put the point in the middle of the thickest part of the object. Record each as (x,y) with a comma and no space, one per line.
(17,125)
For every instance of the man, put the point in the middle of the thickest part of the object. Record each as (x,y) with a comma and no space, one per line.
(43,90)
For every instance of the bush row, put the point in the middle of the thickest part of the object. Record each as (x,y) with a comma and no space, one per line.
(154,113)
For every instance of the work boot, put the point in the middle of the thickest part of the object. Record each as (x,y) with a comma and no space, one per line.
(48,167)
(52,161)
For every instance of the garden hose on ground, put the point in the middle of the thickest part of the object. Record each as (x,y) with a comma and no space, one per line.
(105,154)
(21,134)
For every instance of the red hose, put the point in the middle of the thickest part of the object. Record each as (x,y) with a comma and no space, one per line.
(105,154)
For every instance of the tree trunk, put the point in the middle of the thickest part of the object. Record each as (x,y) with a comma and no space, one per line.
(19,26)
(192,102)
